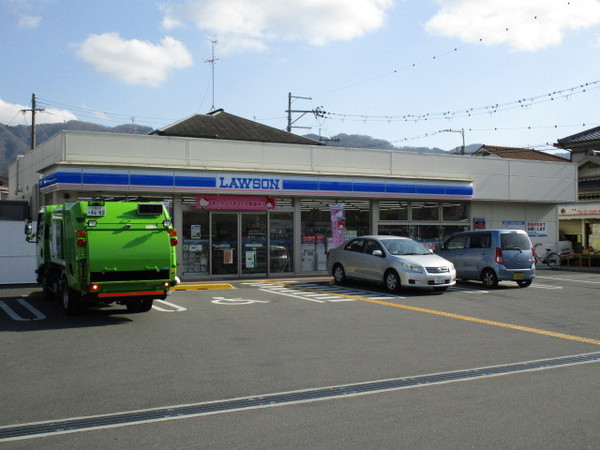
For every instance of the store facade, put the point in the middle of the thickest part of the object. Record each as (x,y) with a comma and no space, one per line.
(260,209)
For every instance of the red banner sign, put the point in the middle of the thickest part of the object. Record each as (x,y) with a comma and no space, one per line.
(242,202)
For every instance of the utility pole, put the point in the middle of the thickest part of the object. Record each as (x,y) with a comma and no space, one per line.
(462,132)
(212,62)
(33,111)
(318,112)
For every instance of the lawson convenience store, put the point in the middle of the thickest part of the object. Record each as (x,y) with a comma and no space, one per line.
(247,209)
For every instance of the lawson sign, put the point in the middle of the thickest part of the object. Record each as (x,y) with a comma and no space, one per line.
(250,182)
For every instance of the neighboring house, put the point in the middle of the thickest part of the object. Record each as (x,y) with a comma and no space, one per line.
(565,245)
(581,221)
(516,153)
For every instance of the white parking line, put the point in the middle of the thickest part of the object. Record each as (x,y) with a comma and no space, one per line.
(280,292)
(544,286)
(568,279)
(174,308)
(15,316)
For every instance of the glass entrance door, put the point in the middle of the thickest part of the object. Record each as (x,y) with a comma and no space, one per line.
(239,243)
(224,237)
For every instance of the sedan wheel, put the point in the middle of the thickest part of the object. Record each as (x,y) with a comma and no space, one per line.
(339,275)
(392,281)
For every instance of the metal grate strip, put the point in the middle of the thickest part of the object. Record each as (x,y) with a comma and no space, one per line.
(33,430)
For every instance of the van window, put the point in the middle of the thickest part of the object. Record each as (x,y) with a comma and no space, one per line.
(480,240)
(515,241)
(457,242)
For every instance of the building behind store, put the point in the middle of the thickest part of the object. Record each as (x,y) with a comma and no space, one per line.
(580,220)
(250,200)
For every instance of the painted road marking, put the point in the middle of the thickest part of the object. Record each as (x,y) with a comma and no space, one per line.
(37,315)
(544,286)
(172,307)
(568,279)
(196,287)
(19,432)
(235,301)
(471,319)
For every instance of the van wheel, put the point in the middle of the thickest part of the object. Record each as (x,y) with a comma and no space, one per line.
(391,281)
(524,283)
(339,275)
(489,279)
(70,299)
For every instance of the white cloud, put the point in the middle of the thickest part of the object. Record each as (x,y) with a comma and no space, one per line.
(133,61)
(29,22)
(532,24)
(251,24)
(11,114)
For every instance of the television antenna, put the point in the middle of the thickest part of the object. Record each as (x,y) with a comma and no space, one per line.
(212,62)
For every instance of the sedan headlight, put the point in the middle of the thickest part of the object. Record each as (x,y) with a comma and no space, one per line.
(412,267)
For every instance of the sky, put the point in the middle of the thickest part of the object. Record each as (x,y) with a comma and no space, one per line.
(419,73)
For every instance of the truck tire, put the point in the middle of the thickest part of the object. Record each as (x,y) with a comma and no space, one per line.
(140,305)
(70,299)
(48,294)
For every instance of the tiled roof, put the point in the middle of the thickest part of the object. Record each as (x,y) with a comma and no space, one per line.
(579,138)
(517,153)
(221,125)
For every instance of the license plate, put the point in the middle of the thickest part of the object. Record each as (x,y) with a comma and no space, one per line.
(95,210)
(439,280)
(518,276)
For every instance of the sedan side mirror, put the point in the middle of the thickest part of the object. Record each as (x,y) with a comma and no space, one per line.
(377,253)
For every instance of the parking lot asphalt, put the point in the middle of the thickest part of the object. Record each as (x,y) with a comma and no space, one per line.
(305,363)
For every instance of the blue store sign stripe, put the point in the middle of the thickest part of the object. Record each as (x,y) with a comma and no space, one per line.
(289,185)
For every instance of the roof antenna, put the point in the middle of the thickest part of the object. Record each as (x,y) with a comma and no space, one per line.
(212,62)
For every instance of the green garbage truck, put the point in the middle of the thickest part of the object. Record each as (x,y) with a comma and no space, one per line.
(92,253)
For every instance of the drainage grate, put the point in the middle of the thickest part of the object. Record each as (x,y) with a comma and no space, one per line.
(41,429)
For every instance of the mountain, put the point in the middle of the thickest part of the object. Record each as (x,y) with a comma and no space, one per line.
(16,140)
(362,141)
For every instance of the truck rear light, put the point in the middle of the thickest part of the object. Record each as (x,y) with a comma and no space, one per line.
(94,287)
(499,257)
(81,242)
(80,233)
(173,234)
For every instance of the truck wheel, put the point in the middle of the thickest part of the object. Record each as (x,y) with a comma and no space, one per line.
(69,298)
(48,294)
(139,305)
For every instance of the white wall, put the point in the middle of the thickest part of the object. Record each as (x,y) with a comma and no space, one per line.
(497,213)
(494,179)
(17,256)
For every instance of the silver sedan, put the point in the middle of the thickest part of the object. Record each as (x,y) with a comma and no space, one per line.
(392,260)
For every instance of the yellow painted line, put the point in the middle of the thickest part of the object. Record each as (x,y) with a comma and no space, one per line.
(453,316)
(195,287)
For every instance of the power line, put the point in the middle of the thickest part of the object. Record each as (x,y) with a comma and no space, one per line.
(470,111)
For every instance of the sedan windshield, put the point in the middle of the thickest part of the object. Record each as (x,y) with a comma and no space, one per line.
(404,247)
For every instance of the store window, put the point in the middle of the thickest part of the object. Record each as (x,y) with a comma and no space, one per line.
(394,230)
(455,212)
(316,234)
(195,245)
(281,245)
(393,210)
(425,211)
